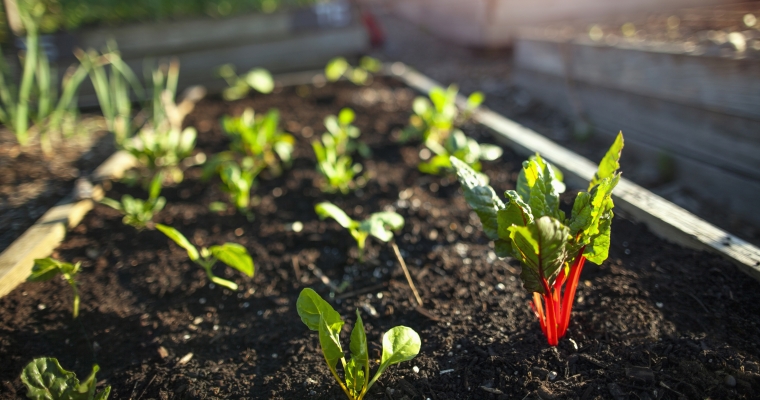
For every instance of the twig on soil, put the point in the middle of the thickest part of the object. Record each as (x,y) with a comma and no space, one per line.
(296,268)
(146,387)
(671,389)
(698,301)
(322,277)
(408,276)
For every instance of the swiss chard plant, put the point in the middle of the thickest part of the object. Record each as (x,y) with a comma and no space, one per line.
(232,254)
(551,246)
(258,79)
(400,344)
(138,212)
(45,269)
(45,379)
(380,224)
(360,75)
(333,152)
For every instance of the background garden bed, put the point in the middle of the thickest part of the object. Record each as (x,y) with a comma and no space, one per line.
(655,321)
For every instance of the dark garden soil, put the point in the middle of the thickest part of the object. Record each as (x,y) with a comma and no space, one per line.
(656,321)
(31,182)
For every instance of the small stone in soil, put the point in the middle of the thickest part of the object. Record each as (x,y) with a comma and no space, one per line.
(552,375)
(41,306)
(730,381)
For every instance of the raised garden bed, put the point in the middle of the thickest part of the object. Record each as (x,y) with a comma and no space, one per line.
(655,321)
(686,103)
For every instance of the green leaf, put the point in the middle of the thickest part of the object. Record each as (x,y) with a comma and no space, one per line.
(358,344)
(328,339)
(515,213)
(436,165)
(234,255)
(312,309)
(260,79)
(45,269)
(480,196)
(111,203)
(610,163)
(45,379)
(489,152)
(598,250)
(180,239)
(336,68)
(371,64)
(542,250)
(400,344)
(346,116)
(327,209)
(382,224)
(223,282)
(354,377)
(475,99)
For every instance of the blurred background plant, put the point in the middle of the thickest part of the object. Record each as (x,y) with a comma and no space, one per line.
(258,79)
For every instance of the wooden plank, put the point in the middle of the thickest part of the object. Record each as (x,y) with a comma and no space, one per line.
(46,234)
(664,218)
(718,84)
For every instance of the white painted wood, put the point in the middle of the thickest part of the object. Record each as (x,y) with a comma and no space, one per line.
(664,218)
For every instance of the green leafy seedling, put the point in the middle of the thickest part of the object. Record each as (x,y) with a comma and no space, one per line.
(463,148)
(334,161)
(232,254)
(45,379)
(45,269)
(163,151)
(380,225)
(400,344)
(137,212)
(258,79)
(260,138)
(360,75)
(532,228)
(435,118)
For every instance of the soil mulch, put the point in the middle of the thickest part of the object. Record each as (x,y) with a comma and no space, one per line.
(655,321)
(31,182)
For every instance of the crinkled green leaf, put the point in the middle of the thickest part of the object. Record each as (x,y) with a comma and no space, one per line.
(312,308)
(45,379)
(610,163)
(516,212)
(542,249)
(480,196)
(234,255)
(327,209)
(180,239)
(598,250)
(354,377)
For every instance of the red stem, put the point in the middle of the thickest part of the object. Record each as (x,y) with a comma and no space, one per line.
(551,314)
(569,295)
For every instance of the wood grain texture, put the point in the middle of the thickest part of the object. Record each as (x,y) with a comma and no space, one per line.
(664,218)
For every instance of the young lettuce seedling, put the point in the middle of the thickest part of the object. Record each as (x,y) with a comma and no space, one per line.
(45,269)
(261,139)
(531,228)
(434,119)
(380,225)
(45,379)
(461,147)
(163,151)
(137,212)
(400,344)
(232,254)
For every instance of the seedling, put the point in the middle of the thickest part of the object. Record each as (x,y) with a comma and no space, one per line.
(461,147)
(380,225)
(362,75)
(137,212)
(434,119)
(45,269)
(232,254)
(163,150)
(237,182)
(400,344)
(531,228)
(258,79)
(333,152)
(261,139)
(45,379)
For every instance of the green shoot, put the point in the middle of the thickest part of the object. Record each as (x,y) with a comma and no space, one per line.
(45,269)
(137,212)
(400,344)
(260,138)
(163,151)
(333,152)
(380,225)
(361,75)
(258,79)
(45,379)
(433,120)
(232,254)
(461,147)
